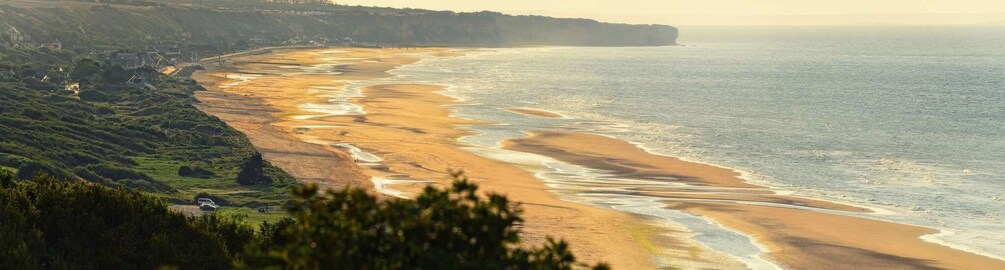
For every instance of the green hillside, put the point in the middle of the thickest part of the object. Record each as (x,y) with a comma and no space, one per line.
(127,134)
(84,26)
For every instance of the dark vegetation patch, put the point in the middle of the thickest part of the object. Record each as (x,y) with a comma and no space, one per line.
(118,228)
(197,172)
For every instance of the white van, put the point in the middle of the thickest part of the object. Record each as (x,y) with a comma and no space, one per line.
(202,201)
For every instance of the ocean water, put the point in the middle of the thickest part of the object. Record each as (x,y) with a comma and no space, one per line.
(910,120)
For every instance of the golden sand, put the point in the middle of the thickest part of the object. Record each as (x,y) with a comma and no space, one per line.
(408,127)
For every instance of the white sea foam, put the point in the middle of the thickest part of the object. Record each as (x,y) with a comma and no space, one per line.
(383,186)
(239,78)
(332,108)
(944,234)
(329,52)
(338,102)
(357,154)
(320,126)
(707,232)
(602,189)
(308,116)
(652,138)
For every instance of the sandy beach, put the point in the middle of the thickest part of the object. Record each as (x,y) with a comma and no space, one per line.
(395,138)
(408,128)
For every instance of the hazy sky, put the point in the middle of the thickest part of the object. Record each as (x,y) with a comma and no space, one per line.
(730,12)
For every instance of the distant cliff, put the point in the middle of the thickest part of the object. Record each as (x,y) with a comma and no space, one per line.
(87,25)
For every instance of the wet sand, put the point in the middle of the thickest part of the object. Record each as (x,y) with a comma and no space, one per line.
(796,235)
(531,112)
(407,127)
(252,115)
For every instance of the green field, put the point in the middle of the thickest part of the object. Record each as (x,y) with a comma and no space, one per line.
(238,201)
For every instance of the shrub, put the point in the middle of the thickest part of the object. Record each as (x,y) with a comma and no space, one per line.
(54,224)
(90,176)
(195,172)
(11,160)
(441,229)
(32,113)
(251,171)
(105,111)
(115,228)
(31,169)
(84,69)
(94,96)
(185,171)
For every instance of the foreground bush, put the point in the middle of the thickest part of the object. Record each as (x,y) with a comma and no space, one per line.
(453,228)
(47,223)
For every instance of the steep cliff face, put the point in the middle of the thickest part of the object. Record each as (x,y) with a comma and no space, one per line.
(124,25)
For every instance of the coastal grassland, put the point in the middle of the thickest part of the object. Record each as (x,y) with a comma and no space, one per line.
(135,135)
(220,185)
(239,201)
(253,217)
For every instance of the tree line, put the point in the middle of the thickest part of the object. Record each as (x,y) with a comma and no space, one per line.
(51,223)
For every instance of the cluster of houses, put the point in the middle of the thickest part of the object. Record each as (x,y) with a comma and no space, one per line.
(317,40)
(136,60)
(161,53)
(156,55)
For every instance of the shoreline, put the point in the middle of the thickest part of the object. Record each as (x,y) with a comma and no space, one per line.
(797,237)
(412,151)
(933,238)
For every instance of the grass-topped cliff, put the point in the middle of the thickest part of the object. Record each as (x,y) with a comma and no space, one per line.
(87,25)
